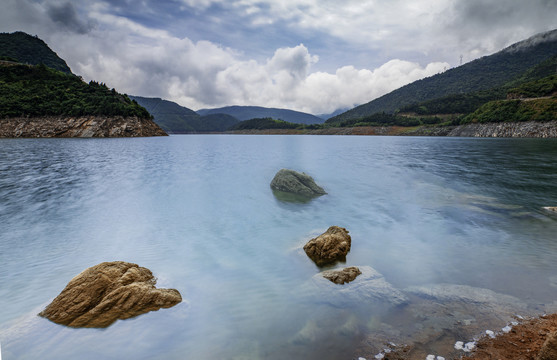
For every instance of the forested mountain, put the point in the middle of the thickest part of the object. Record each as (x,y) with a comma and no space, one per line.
(256,112)
(35,91)
(174,118)
(484,74)
(27,49)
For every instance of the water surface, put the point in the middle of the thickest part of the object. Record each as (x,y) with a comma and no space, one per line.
(198,211)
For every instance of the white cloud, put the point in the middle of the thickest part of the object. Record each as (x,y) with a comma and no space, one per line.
(139,56)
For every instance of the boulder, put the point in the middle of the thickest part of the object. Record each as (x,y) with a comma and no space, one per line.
(342,276)
(370,287)
(106,292)
(549,348)
(290,181)
(329,247)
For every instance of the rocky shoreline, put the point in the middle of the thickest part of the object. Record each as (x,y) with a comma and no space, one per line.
(80,126)
(529,129)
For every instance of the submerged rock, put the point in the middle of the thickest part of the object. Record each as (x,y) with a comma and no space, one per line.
(106,292)
(342,276)
(466,294)
(369,287)
(329,247)
(293,182)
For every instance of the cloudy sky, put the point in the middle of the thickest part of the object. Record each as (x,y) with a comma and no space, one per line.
(308,55)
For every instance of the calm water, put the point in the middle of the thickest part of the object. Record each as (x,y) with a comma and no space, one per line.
(198,212)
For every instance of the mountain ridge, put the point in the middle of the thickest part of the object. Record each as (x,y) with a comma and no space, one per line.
(254,112)
(31,50)
(480,74)
(178,119)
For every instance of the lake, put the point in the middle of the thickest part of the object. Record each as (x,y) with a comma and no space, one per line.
(197,210)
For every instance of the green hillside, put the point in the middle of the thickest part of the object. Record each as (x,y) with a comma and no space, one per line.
(257,112)
(264,123)
(174,118)
(546,86)
(469,102)
(514,111)
(484,74)
(28,49)
(33,91)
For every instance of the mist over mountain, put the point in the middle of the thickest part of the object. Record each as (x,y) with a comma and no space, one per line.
(255,112)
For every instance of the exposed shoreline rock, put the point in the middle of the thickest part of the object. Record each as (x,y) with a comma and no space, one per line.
(290,181)
(331,246)
(342,276)
(107,292)
(529,129)
(80,126)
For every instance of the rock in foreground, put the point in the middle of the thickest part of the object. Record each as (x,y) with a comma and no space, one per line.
(329,247)
(342,276)
(106,292)
(290,181)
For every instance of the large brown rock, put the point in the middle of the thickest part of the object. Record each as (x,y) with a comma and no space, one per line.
(106,292)
(329,247)
(342,276)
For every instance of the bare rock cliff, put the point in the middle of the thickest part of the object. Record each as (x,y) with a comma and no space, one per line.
(83,126)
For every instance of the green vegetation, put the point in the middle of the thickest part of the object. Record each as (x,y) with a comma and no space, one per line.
(539,88)
(463,89)
(454,104)
(41,91)
(27,49)
(265,123)
(383,119)
(514,111)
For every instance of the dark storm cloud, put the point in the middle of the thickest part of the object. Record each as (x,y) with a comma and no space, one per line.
(66,15)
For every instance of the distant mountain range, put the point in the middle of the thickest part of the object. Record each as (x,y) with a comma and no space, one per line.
(177,119)
(483,74)
(254,112)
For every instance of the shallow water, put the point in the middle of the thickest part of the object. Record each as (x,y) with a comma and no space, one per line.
(198,211)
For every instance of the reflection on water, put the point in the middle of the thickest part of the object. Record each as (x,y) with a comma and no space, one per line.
(198,211)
